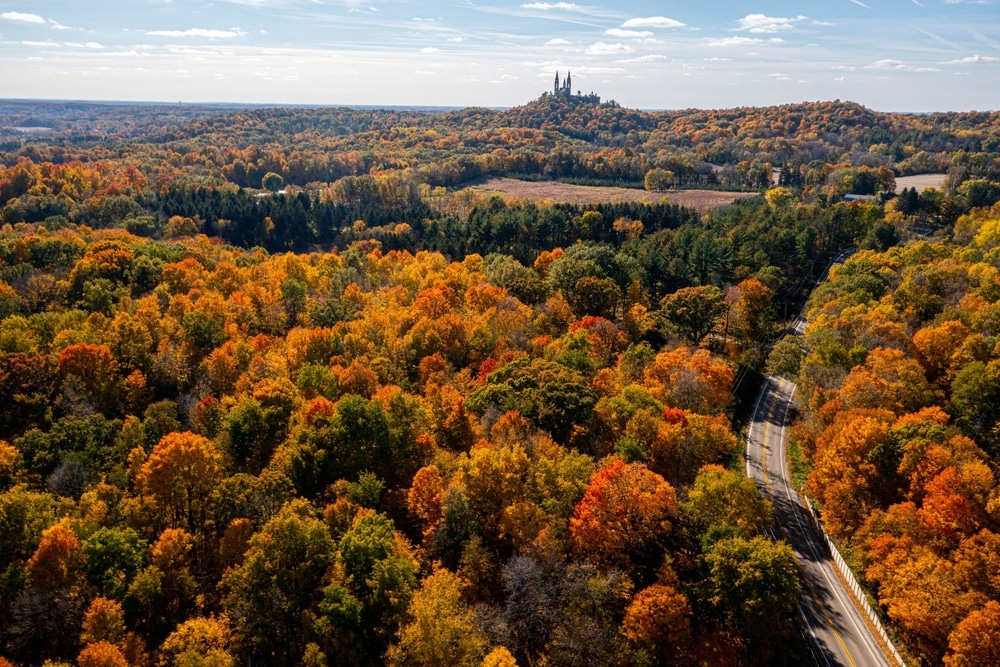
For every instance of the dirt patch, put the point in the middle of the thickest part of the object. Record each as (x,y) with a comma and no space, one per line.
(581,194)
(920,181)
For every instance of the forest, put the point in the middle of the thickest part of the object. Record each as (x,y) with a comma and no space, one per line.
(279,389)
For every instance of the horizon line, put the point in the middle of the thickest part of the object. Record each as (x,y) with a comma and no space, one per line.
(443,107)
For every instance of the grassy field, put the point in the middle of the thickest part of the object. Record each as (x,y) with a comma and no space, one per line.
(920,182)
(582,194)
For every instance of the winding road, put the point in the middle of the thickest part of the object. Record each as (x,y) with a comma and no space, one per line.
(836,631)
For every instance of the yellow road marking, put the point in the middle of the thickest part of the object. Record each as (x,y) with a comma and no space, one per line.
(812,592)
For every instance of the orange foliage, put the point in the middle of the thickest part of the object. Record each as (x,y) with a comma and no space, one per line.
(691,379)
(887,380)
(936,345)
(104,621)
(356,379)
(975,642)
(625,509)
(180,475)
(658,615)
(101,654)
(425,499)
(842,475)
(56,561)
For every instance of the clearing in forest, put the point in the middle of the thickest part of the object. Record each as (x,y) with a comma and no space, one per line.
(585,194)
(920,181)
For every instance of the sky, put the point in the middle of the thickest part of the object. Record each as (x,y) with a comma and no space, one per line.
(890,55)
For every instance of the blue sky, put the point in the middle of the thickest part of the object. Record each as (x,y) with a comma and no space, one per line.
(892,55)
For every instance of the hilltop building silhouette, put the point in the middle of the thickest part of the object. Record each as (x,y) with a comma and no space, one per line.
(565,91)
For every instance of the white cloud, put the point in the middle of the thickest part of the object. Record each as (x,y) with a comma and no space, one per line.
(546,6)
(198,32)
(825,24)
(744,41)
(626,34)
(760,23)
(94,45)
(23,18)
(430,49)
(598,70)
(47,43)
(602,49)
(973,60)
(645,59)
(891,65)
(652,22)
(558,42)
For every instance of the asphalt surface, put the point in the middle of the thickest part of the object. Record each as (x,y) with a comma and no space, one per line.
(836,630)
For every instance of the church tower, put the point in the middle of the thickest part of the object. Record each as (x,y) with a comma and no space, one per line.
(556,89)
(569,84)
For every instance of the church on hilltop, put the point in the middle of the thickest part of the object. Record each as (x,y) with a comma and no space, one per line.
(565,91)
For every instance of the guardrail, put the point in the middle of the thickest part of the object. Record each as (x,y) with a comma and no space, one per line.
(859,594)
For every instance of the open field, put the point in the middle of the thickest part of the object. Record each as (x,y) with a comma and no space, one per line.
(581,194)
(920,182)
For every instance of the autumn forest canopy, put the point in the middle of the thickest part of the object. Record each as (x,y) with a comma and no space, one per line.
(279,388)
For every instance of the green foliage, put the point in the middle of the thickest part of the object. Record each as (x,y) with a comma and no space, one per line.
(367,491)
(726,498)
(658,180)
(551,395)
(753,583)
(693,311)
(272,181)
(277,582)
(786,357)
(369,541)
(111,559)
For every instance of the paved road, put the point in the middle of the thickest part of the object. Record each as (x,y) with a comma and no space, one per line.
(837,632)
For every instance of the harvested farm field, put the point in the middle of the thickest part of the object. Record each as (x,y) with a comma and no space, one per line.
(585,194)
(920,181)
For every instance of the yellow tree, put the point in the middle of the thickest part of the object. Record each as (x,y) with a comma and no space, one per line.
(443,631)
(104,621)
(202,642)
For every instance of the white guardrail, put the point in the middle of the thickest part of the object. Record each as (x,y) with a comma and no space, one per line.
(859,594)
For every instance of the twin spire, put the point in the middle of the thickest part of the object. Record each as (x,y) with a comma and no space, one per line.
(565,90)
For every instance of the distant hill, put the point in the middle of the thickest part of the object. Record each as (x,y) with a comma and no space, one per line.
(550,137)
